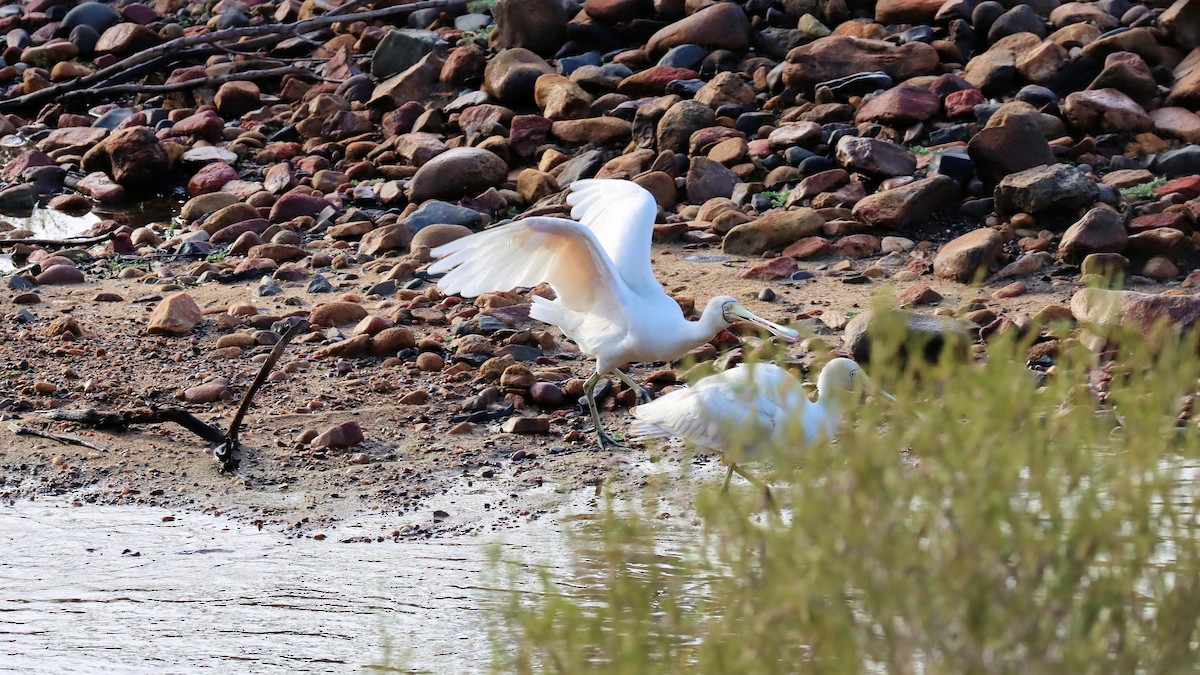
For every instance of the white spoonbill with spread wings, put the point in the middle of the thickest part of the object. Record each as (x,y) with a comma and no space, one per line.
(742,409)
(608,300)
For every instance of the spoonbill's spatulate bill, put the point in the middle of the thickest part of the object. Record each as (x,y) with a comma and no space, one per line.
(746,408)
(608,300)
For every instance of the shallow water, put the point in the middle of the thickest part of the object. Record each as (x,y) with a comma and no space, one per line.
(97,587)
(47,224)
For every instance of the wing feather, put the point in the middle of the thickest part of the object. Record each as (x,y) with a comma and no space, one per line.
(621,214)
(525,253)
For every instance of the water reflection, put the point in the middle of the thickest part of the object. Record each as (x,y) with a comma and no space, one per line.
(46,224)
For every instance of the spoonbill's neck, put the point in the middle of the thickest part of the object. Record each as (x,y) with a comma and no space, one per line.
(711,322)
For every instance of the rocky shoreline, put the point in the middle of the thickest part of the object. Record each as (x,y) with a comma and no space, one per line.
(804,153)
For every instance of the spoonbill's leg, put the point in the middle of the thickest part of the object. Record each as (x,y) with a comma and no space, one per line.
(753,481)
(728,475)
(643,394)
(589,393)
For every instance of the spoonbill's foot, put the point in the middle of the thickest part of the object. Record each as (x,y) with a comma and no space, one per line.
(644,395)
(607,440)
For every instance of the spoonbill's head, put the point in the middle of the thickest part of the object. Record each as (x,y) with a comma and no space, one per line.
(731,310)
(841,376)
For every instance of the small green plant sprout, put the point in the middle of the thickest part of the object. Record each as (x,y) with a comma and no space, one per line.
(217,255)
(920,150)
(1143,190)
(372,181)
(778,197)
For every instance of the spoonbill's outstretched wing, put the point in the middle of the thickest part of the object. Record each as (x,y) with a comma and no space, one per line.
(525,253)
(738,408)
(621,214)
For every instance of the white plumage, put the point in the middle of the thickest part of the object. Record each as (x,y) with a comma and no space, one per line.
(608,300)
(741,411)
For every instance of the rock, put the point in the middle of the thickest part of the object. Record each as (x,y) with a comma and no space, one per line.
(428,362)
(59,275)
(1104,264)
(95,15)
(389,341)
(996,69)
(1105,110)
(968,258)
(537,25)
(707,179)
(98,186)
(774,231)
(394,237)
(900,106)
(930,337)
(338,313)
(433,236)
(434,212)
(1177,122)
(1012,146)
(413,84)
(653,81)
(401,49)
(918,294)
(617,11)
(176,314)
(512,75)
(296,204)
(18,198)
(837,56)
(126,38)
(906,11)
(344,435)
(209,392)
(1161,269)
(526,425)
(204,204)
(899,207)
(211,178)
(1100,230)
(136,158)
(1057,187)
(725,89)
(560,98)
(873,156)
(775,268)
(456,173)
(236,98)
(1108,313)
(1182,22)
(679,122)
(598,130)
(720,26)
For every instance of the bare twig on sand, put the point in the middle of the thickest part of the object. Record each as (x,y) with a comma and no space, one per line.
(227,445)
(59,243)
(224,452)
(70,439)
(195,47)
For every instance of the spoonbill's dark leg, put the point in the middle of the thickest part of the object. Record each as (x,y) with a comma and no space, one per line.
(589,393)
(753,481)
(728,475)
(643,394)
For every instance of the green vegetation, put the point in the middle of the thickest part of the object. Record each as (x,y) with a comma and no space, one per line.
(480,6)
(987,523)
(217,255)
(1143,190)
(371,181)
(920,150)
(778,198)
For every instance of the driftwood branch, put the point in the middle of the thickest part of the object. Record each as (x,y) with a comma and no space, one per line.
(264,35)
(58,243)
(118,89)
(224,452)
(70,439)
(121,421)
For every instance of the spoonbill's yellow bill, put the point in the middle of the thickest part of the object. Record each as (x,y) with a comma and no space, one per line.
(608,300)
(739,411)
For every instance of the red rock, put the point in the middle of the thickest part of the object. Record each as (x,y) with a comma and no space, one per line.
(277,252)
(60,274)
(906,11)
(211,178)
(293,205)
(962,103)
(897,208)
(900,106)
(969,256)
(1150,221)
(357,346)
(395,237)
(775,268)
(236,98)
(209,392)
(856,246)
(1012,290)
(205,123)
(1106,110)
(808,247)
(617,11)
(126,38)
(836,56)
(918,294)
(527,132)
(1188,186)
(72,137)
(176,315)
(653,81)
(344,435)
(98,186)
(337,314)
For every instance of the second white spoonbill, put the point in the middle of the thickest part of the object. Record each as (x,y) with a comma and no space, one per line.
(608,300)
(741,410)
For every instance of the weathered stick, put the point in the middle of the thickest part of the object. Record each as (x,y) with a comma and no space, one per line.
(121,421)
(58,243)
(264,35)
(117,89)
(70,439)
(224,452)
